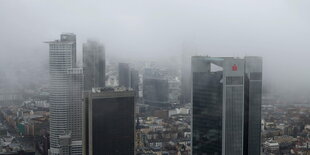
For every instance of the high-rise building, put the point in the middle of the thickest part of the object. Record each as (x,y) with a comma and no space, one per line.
(226,105)
(124,75)
(155,89)
(134,81)
(62,56)
(128,77)
(74,101)
(174,90)
(185,79)
(109,121)
(253,69)
(75,92)
(93,64)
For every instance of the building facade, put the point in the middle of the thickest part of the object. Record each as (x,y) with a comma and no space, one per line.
(124,75)
(185,78)
(155,88)
(155,91)
(75,92)
(109,122)
(93,64)
(226,105)
(74,100)
(134,81)
(253,68)
(62,56)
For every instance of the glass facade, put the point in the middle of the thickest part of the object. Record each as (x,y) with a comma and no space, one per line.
(254,75)
(124,74)
(207,113)
(93,64)
(234,120)
(155,91)
(226,106)
(113,126)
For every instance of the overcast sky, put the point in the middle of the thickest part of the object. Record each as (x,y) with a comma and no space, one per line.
(277,30)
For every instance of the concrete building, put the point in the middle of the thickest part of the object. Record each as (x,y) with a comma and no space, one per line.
(62,56)
(271,147)
(75,92)
(109,122)
(226,105)
(93,64)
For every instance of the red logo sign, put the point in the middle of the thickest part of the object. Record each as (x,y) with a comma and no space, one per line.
(234,67)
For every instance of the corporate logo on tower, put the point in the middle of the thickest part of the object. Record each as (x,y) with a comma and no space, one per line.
(234,67)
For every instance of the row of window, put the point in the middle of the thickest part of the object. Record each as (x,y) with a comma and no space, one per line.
(57,46)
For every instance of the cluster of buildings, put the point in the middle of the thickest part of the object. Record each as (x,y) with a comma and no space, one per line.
(84,114)
(10,145)
(165,131)
(285,128)
(213,106)
(11,142)
(27,122)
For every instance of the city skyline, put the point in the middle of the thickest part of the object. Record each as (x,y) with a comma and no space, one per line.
(225,114)
(157,77)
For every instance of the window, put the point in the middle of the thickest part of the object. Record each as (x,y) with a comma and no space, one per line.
(234,80)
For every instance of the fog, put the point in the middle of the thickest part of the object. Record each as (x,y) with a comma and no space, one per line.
(277,30)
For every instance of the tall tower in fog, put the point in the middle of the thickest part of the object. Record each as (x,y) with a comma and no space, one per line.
(226,105)
(155,88)
(134,81)
(62,56)
(185,78)
(124,75)
(93,64)
(128,77)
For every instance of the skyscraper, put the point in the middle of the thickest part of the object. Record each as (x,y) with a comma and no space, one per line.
(128,77)
(74,101)
(62,56)
(185,78)
(109,122)
(253,68)
(223,105)
(93,64)
(134,81)
(124,75)
(75,92)
(155,88)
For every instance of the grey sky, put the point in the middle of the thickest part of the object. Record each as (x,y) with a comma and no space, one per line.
(277,30)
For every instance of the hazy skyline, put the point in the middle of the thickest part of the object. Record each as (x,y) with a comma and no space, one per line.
(277,30)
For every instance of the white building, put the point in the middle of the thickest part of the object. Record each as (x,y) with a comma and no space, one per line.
(62,56)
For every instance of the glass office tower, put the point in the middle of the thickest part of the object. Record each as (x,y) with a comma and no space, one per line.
(226,105)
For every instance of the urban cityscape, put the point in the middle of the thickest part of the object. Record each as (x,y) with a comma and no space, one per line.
(86,98)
